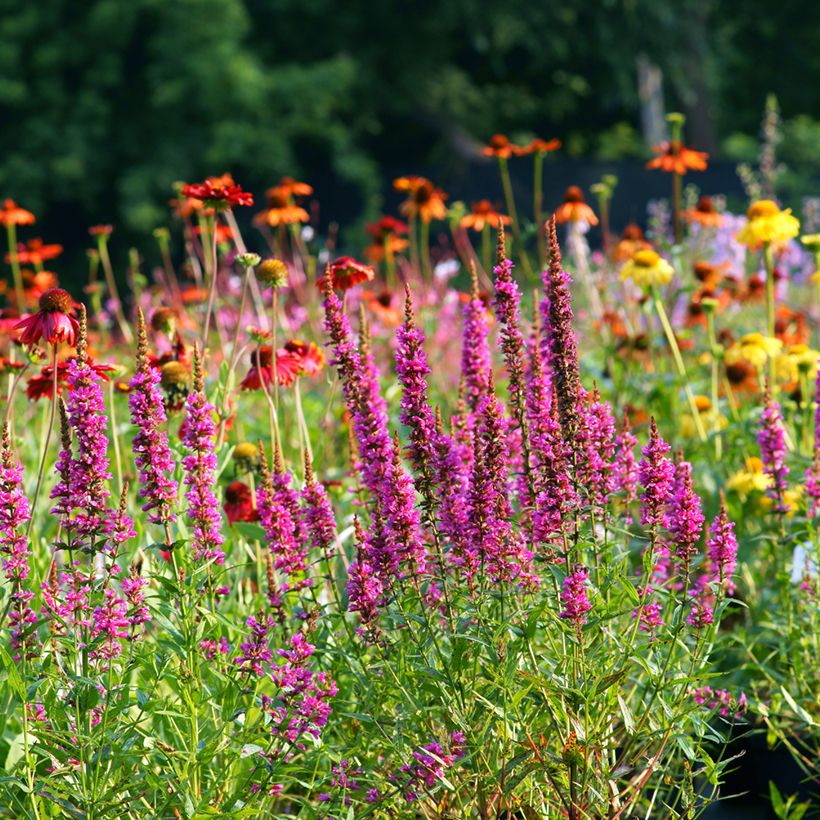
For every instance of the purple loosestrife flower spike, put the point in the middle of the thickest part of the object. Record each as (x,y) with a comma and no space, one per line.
(15,512)
(412,370)
(452,473)
(389,486)
(280,517)
(722,547)
(575,597)
(656,473)
(365,590)
(320,522)
(475,348)
(772,441)
(200,471)
(596,449)
(152,454)
(256,654)
(625,471)
(685,521)
(563,348)
(85,474)
(554,493)
(508,310)
(813,472)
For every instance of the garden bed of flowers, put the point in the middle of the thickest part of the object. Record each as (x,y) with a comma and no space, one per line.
(484,523)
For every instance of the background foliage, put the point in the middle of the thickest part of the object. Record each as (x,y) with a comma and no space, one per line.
(104,103)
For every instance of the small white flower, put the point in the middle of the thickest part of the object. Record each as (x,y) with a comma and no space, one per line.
(802,563)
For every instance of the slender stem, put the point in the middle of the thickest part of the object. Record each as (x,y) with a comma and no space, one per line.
(677,186)
(715,381)
(115,437)
(770,311)
(538,206)
(211,223)
(111,284)
(424,250)
(46,442)
(506,184)
(14,261)
(673,344)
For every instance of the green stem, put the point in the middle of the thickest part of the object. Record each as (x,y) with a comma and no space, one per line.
(677,186)
(14,260)
(770,311)
(538,206)
(211,223)
(681,367)
(506,184)
(111,284)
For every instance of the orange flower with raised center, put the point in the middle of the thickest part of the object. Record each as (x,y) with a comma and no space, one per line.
(632,240)
(310,355)
(424,200)
(708,273)
(536,146)
(12,214)
(704,213)
(281,209)
(483,214)
(290,187)
(574,208)
(345,273)
(53,322)
(224,234)
(498,146)
(675,158)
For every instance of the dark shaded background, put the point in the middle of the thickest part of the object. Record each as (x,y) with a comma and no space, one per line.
(105,103)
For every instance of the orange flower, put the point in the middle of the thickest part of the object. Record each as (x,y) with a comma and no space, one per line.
(574,208)
(345,273)
(281,210)
(632,240)
(704,213)
(34,252)
(424,199)
(36,284)
(310,355)
(221,192)
(290,187)
(386,307)
(100,230)
(675,157)
(498,146)
(12,214)
(536,146)
(708,273)
(484,214)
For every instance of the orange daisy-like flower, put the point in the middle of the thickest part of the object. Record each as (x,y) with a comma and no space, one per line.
(386,238)
(424,199)
(52,323)
(386,307)
(288,368)
(100,230)
(309,353)
(536,146)
(36,284)
(345,273)
(281,209)
(704,213)
(484,214)
(574,208)
(221,193)
(34,252)
(238,504)
(12,214)
(708,273)
(632,240)
(290,187)
(498,146)
(675,158)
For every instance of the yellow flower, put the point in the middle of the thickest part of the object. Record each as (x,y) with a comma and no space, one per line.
(792,498)
(754,348)
(751,479)
(767,223)
(797,359)
(647,268)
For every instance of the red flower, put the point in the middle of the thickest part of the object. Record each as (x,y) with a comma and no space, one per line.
(219,192)
(537,146)
(101,230)
(40,386)
(310,354)
(34,252)
(52,322)
(498,146)
(238,504)
(346,272)
(288,368)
